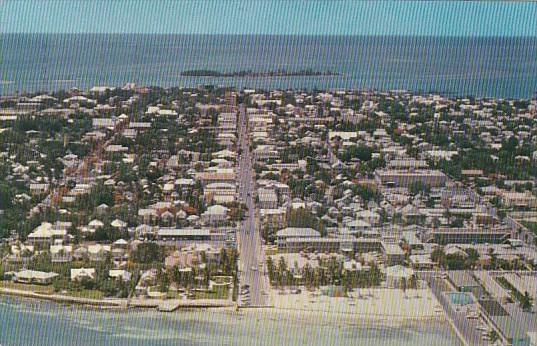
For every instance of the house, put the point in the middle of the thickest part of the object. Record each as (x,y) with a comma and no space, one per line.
(82,273)
(358,226)
(102,209)
(118,224)
(45,234)
(215,214)
(182,259)
(369,216)
(35,277)
(61,253)
(122,275)
(98,252)
(421,262)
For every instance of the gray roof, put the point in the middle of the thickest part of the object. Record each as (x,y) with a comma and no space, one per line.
(298,232)
(170,232)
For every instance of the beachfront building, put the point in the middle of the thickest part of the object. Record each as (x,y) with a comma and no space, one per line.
(35,277)
(82,273)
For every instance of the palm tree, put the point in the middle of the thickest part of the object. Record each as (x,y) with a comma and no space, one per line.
(493,258)
(525,302)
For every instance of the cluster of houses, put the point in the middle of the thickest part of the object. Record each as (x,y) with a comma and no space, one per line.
(365,176)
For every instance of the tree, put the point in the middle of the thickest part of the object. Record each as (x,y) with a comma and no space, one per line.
(6,196)
(439,256)
(473,257)
(270,268)
(493,259)
(163,281)
(148,253)
(525,302)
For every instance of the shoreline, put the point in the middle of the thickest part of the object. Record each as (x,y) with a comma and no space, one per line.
(117,303)
(325,316)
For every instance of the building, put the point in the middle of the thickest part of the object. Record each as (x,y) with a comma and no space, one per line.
(393,254)
(268,199)
(181,234)
(220,192)
(407,178)
(215,214)
(35,277)
(295,232)
(45,234)
(464,235)
(82,273)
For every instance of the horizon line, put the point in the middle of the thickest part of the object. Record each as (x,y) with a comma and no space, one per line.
(267,34)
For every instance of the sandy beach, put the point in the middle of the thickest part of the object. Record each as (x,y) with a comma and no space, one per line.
(390,305)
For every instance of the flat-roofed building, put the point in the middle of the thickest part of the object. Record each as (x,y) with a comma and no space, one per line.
(216,177)
(220,192)
(406,178)
(465,235)
(342,244)
(393,254)
(179,234)
(407,163)
(296,232)
(268,199)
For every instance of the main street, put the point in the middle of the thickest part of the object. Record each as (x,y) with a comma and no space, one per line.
(252,278)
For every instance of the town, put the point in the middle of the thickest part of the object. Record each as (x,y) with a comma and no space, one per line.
(317,200)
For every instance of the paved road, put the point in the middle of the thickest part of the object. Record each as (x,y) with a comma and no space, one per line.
(465,326)
(251,267)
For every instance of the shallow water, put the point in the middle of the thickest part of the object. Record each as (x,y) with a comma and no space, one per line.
(29,322)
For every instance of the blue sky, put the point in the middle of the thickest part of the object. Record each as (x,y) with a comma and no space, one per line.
(331,17)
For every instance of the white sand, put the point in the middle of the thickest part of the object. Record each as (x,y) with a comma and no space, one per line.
(374,304)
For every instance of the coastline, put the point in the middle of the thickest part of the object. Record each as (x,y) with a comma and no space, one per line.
(254,326)
(333,311)
(118,303)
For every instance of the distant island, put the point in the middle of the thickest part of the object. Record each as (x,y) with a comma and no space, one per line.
(254,74)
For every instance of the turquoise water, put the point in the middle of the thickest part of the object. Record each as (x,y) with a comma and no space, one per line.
(499,67)
(460,298)
(28,322)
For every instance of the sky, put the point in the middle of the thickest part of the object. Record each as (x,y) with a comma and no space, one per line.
(299,17)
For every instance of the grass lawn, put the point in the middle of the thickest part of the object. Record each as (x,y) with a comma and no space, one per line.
(42,289)
(221,293)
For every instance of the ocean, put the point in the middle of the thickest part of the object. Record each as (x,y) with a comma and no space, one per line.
(492,67)
(29,322)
